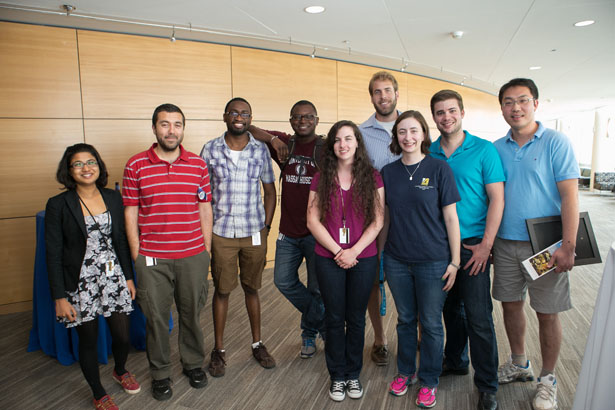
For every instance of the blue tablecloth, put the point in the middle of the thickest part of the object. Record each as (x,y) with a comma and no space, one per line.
(52,337)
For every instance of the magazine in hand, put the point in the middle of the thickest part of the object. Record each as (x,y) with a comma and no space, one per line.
(536,265)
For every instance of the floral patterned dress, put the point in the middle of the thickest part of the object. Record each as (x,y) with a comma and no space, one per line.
(99,292)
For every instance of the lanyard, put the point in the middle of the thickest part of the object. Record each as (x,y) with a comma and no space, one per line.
(96,225)
(343,210)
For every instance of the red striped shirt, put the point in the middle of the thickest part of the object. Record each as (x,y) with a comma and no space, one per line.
(167,195)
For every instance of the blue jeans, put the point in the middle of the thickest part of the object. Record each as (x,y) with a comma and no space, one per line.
(417,290)
(468,313)
(289,254)
(345,293)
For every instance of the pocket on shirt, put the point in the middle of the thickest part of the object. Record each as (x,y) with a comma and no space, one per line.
(219,168)
(255,168)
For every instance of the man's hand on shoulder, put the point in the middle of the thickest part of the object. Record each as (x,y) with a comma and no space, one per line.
(281,148)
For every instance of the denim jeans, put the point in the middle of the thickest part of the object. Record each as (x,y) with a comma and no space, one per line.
(345,293)
(468,313)
(289,254)
(417,290)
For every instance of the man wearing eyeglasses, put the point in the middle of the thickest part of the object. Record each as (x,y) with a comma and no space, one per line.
(541,180)
(295,242)
(168,215)
(241,224)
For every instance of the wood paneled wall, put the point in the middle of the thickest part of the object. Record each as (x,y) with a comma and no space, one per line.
(61,86)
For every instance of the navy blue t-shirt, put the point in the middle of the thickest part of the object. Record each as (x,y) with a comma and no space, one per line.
(417,232)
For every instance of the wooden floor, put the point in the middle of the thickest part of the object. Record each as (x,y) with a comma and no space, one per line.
(35,381)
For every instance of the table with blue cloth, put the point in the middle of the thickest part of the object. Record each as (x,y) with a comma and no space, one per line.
(53,337)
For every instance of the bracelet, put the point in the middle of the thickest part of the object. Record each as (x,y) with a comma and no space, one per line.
(455,266)
(338,252)
(272,138)
(268,228)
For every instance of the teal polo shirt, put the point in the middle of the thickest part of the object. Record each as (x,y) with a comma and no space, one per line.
(532,173)
(475,163)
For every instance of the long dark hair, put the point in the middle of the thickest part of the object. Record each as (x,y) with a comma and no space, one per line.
(364,192)
(63,173)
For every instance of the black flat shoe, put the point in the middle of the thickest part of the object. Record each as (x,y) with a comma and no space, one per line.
(161,389)
(198,378)
(487,401)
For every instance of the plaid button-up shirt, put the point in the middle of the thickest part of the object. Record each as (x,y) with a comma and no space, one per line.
(236,192)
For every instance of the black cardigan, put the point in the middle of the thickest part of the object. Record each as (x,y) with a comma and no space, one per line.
(66,238)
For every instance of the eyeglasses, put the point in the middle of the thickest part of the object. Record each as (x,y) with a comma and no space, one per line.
(235,114)
(90,163)
(299,117)
(523,101)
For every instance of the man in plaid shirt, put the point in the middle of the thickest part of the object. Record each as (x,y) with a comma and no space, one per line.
(241,224)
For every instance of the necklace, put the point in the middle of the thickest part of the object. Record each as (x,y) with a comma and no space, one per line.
(415,169)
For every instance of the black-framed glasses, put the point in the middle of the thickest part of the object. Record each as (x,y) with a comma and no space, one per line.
(235,114)
(522,101)
(299,117)
(90,163)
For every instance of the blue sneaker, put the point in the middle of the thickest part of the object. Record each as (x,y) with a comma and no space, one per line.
(308,347)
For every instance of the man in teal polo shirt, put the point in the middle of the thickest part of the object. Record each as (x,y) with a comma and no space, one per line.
(541,180)
(468,308)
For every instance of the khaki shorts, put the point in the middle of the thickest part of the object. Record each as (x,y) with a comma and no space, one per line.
(511,282)
(230,254)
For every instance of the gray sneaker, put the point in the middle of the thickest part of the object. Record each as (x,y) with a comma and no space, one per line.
(308,347)
(510,372)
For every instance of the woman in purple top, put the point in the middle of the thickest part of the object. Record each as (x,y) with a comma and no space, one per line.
(345,214)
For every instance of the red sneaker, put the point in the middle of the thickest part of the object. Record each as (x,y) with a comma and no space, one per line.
(128,382)
(105,403)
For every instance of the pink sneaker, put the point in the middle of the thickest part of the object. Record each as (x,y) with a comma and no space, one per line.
(426,397)
(128,382)
(399,385)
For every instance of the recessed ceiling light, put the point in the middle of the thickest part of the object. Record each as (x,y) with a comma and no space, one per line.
(536,67)
(314,9)
(584,23)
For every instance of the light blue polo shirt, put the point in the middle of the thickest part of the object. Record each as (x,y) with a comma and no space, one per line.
(377,141)
(532,173)
(475,163)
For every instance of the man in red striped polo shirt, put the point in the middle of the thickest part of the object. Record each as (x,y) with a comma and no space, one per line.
(167,199)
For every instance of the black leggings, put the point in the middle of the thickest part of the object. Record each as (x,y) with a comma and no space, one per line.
(119,325)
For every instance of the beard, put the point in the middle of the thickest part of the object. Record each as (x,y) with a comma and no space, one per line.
(167,146)
(235,131)
(388,111)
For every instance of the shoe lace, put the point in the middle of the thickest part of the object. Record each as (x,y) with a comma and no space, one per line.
(308,342)
(399,379)
(216,354)
(128,378)
(338,386)
(426,391)
(545,391)
(353,384)
(105,403)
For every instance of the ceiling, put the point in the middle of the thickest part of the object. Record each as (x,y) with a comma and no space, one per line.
(501,39)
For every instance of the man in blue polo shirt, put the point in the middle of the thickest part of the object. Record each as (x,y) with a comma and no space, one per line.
(468,308)
(541,180)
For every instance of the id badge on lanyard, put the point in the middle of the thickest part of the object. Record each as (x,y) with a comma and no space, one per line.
(109,267)
(344,234)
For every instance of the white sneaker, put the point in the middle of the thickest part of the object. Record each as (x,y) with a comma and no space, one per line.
(337,391)
(509,372)
(546,393)
(354,389)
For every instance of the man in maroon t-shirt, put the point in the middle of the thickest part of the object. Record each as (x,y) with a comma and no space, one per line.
(294,240)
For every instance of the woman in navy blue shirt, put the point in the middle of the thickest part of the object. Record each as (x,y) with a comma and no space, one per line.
(421,253)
